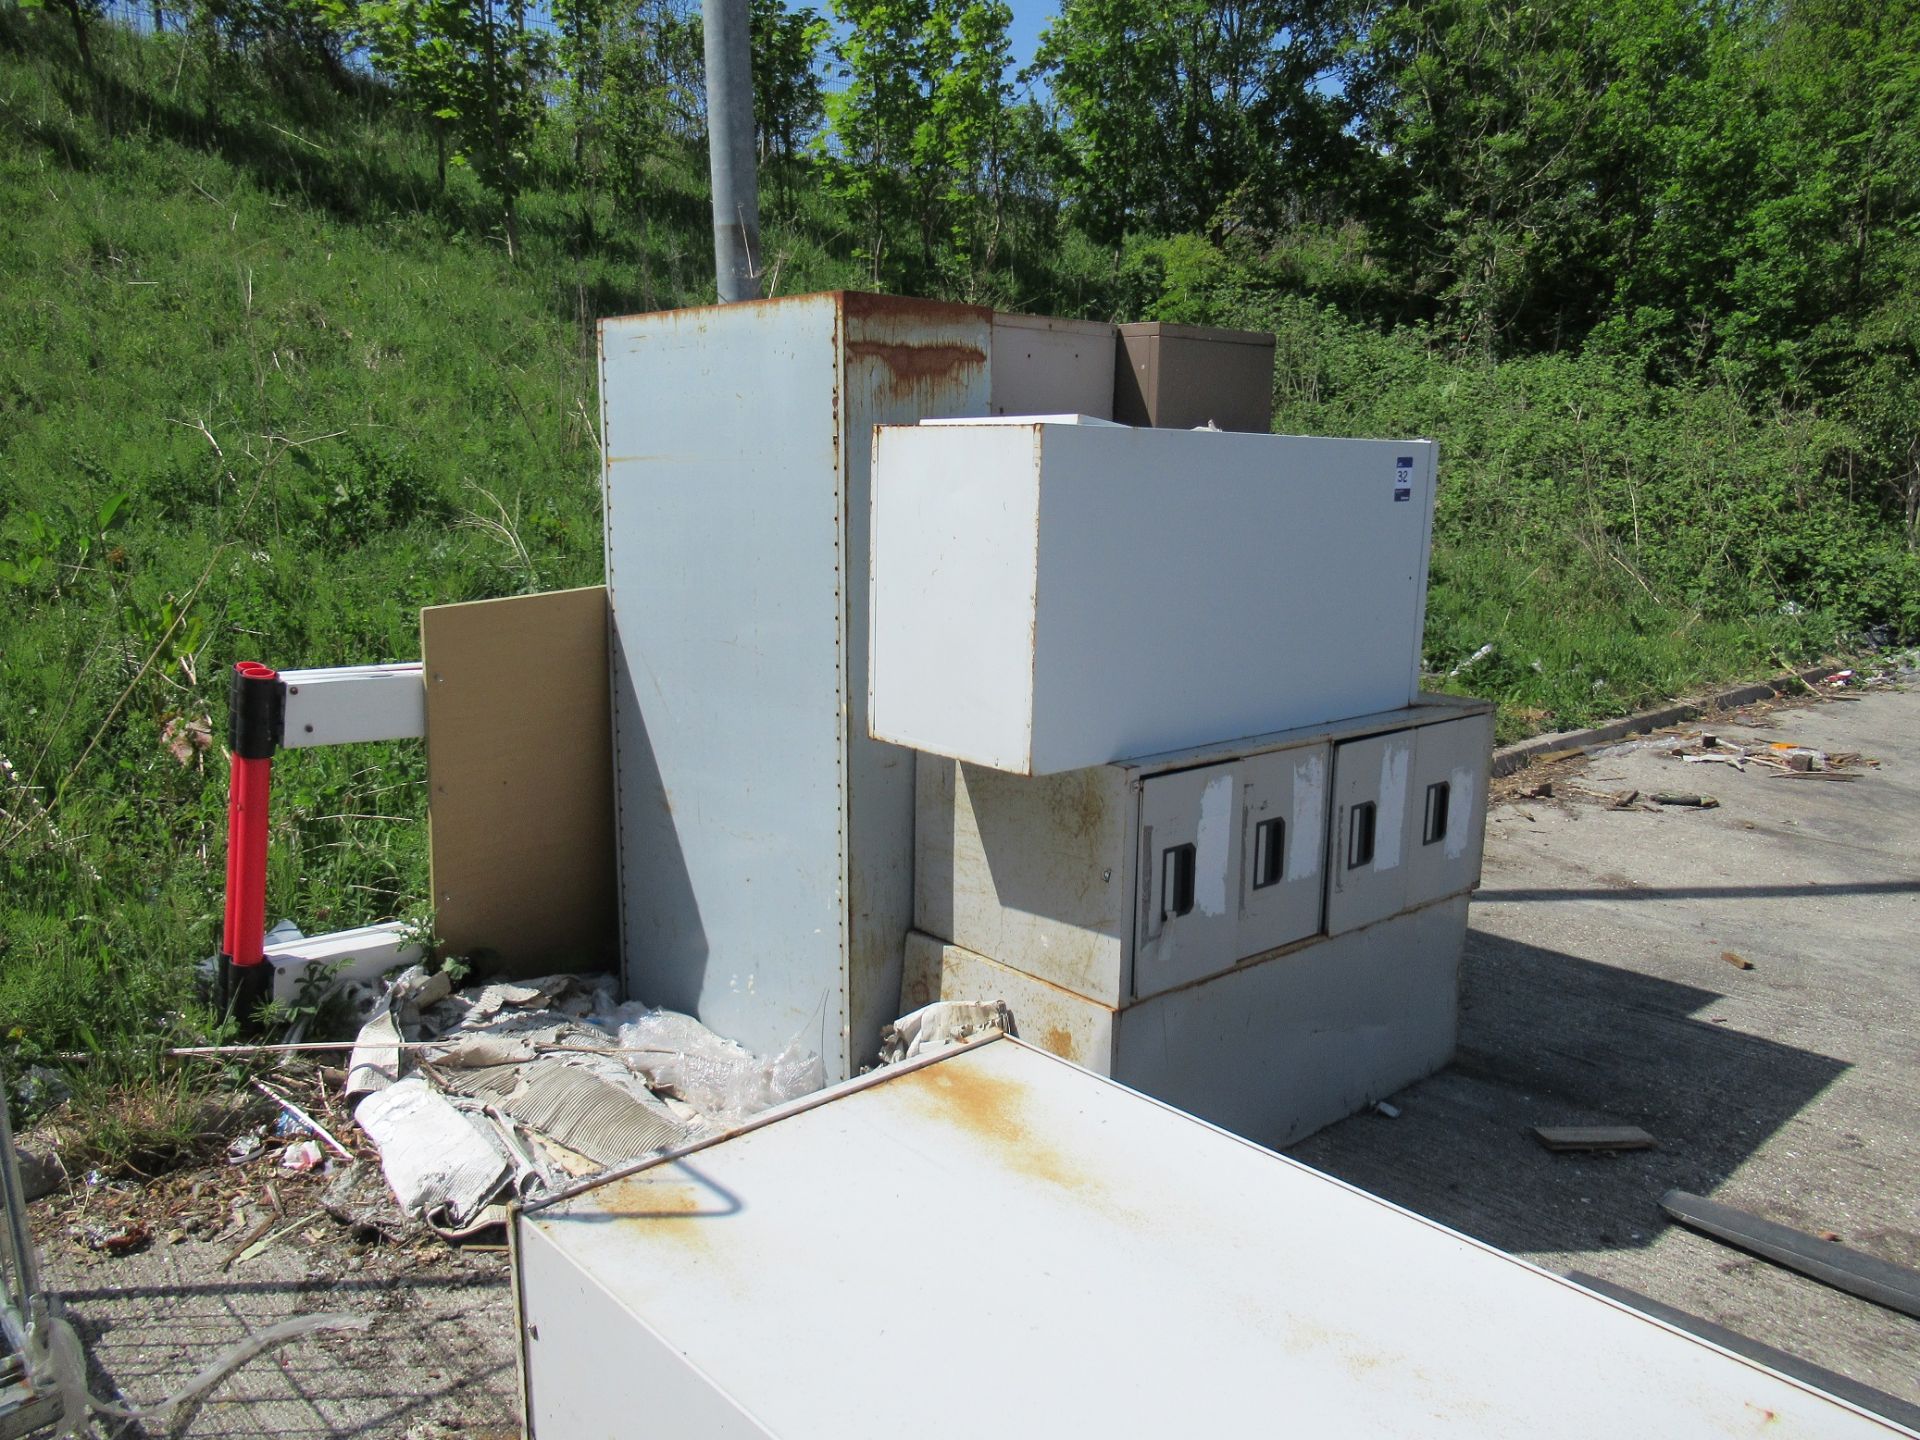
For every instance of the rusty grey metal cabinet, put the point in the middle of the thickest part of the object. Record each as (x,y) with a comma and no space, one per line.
(1258,931)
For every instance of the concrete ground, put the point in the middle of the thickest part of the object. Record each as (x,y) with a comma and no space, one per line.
(1595,992)
(436,1363)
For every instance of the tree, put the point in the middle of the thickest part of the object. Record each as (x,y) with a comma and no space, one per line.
(1192,114)
(789,98)
(1486,111)
(918,136)
(473,67)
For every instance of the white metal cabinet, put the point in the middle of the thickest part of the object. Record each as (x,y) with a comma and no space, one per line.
(1367,844)
(1283,842)
(1448,802)
(1048,596)
(1189,920)
(782,1281)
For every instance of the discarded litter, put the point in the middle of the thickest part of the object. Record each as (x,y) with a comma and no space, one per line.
(122,1239)
(1382,1107)
(1868,1276)
(302,1156)
(1737,960)
(1474,659)
(679,1056)
(939,1025)
(1693,802)
(57,1364)
(442,1167)
(511,1090)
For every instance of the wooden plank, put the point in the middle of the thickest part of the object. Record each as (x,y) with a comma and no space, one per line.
(1867,1276)
(520,782)
(1593,1137)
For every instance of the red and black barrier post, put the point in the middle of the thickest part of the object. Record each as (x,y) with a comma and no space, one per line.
(256,713)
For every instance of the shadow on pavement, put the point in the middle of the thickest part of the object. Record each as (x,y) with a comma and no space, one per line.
(1548,1038)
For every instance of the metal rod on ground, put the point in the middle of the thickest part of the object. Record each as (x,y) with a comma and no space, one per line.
(336,1046)
(730,150)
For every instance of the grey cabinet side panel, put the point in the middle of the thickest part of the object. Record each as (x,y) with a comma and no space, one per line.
(724,541)
(1033,870)
(903,361)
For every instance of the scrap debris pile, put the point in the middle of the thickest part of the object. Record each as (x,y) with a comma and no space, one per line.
(1779,759)
(512,1090)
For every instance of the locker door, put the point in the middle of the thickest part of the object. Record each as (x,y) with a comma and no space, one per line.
(1283,842)
(1367,843)
(1448,805)
(1189,869)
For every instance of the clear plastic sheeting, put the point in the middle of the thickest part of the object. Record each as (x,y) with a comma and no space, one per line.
(723,1081)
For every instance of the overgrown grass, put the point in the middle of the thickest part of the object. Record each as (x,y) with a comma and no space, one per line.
(262,393)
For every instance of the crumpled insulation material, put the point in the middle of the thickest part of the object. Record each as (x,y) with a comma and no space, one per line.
(511,1090)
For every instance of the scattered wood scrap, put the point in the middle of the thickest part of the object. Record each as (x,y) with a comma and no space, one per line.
(1579,1138)
(1687,801)
(1551,757)
(1868,1276)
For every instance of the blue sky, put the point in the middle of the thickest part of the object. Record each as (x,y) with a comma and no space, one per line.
(1030,17)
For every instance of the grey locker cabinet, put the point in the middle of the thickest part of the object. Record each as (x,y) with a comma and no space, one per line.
(1283,846)
(1367,847)
(1446,804)
(1189,877)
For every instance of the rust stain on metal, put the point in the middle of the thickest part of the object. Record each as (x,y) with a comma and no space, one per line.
(1058,1040)
(671,1209)
(993,1109)
(864,305)
(914,367)
(1080,803)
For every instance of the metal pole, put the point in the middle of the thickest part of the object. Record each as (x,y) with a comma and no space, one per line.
(730,150)
(256,708)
